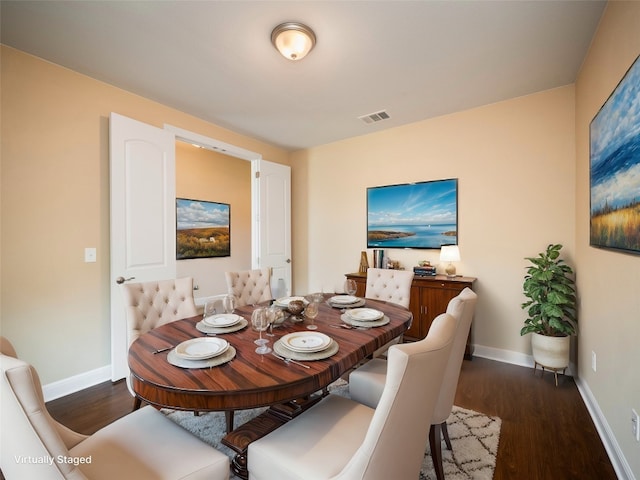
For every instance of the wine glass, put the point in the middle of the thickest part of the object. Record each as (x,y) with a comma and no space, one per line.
(311,312)
(230,303)
(350,286)
(209,308)
(260,322)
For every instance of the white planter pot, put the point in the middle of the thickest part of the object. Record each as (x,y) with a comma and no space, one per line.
(551,352)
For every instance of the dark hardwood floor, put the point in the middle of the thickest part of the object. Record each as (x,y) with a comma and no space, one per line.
(546,433)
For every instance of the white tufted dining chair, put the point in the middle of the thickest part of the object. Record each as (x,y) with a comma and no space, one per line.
(366,383)
(389,285)
(142,444)
(250,286)
(151,304)
(339,438)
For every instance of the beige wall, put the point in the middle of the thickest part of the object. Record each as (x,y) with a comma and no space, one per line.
(205,175)
(608,282)
(515,163)
(55,202)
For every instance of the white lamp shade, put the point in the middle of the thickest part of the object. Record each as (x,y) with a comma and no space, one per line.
(293,40)
(449,253)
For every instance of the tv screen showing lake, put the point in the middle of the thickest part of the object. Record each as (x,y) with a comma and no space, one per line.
(413,215)
(412,236)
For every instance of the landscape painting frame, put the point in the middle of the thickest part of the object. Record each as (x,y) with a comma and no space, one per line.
(614,173)
(203,229)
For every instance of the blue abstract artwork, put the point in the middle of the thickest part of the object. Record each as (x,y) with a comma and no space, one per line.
(615,167)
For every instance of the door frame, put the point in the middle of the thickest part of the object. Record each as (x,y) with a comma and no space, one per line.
(232,151)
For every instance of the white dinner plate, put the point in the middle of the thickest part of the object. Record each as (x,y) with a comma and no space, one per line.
(344,299)
(222,320)
(306,341)
(284,301)
(201,348)
(364,314)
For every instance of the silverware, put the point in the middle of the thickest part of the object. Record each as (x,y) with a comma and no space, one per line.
(162,350)
(288,360)
(342,325)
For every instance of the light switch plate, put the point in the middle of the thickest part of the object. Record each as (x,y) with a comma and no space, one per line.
(90,255)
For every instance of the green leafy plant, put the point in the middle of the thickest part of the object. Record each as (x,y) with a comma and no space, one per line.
(550,288)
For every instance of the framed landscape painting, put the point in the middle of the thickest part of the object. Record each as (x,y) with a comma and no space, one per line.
(615,168)
(203,229)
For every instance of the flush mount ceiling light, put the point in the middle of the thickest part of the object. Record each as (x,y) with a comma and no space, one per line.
(293,40)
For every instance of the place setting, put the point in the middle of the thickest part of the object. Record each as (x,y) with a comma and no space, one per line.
(306,345)
(201,352)
(348,299)
(219,317)
(364,318)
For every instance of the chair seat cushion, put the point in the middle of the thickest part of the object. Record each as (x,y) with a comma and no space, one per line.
(145,444)
(306,448)
(367,382)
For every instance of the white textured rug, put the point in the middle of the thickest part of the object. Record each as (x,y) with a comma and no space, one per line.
(474,437)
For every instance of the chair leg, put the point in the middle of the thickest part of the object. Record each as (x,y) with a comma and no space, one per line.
(445,434)
(436,450)
(229,417)
(136,403)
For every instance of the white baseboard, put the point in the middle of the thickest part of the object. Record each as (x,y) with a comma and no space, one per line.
(509,356)
(618,460)
(76,383)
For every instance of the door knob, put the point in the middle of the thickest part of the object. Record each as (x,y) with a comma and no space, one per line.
(288,260)
(121,280)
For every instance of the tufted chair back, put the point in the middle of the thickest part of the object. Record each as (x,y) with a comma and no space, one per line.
(151,304)
(389,285)
(250,286)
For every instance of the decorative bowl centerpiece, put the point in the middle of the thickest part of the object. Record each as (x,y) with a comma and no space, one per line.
(296,308)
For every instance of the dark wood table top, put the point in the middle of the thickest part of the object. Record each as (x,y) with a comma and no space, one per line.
(251,380)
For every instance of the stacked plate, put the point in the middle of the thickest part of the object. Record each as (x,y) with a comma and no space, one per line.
(345,301)
(201,352)
(222,323)
(306,346)
(365,317)
(284,301)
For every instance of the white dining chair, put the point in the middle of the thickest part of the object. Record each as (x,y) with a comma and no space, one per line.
(366,383)
(142,444)
(390,286)
(151,304)
(249,286)
(342,439)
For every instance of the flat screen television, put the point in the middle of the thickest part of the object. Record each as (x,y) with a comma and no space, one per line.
(413,215)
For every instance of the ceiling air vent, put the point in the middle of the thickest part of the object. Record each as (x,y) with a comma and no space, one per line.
(374,117)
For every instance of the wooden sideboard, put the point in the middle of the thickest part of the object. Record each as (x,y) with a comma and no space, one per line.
(430,296)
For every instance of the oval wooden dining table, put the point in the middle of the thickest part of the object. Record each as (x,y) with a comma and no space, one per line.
(251,380)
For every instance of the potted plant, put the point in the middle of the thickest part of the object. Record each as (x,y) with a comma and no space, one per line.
(551,307)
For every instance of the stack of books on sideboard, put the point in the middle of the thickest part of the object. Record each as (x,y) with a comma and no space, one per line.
(424,271)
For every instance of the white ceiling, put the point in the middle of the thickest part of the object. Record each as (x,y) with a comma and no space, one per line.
(214,59)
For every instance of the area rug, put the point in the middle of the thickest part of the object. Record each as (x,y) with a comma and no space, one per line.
(474,437)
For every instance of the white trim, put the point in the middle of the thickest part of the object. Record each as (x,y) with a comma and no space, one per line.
(212,144)
(509,356)
(74,384)
(617,458)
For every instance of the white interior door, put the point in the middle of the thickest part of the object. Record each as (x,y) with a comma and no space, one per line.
(143,184)
(272,219)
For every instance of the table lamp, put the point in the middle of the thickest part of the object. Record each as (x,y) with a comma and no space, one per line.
(450,253)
